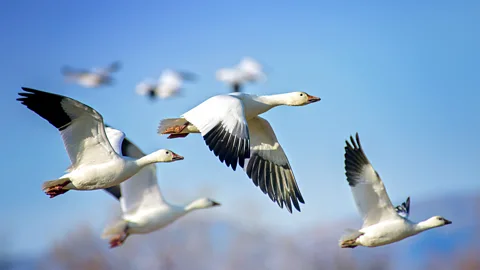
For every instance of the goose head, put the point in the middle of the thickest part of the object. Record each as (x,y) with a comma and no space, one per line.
(437,221)
(201,203)
(300,99)
(165,155)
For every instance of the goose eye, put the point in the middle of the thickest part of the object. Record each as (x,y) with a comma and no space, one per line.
(301,95)
(167,152)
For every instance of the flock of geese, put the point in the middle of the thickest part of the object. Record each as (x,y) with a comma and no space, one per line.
(103,158)
(170,82)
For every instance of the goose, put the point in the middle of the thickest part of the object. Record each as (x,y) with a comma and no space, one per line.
(144,209)
(95,164)
(382,223)
(91,78)
(232,128)
(169,84)
(248,70)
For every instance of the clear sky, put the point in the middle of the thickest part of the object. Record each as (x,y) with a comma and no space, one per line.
(405,75)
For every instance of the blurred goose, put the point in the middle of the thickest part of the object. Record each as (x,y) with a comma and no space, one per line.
(382,223)
(144,209)
(91,78)
(232,129)
(95,164)
(248,70)
(169,84)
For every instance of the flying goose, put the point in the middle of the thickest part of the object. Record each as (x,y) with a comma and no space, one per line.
(382,223)
(169,84)
(144,209)
(248,70)
(95,164)
(232,129)
(91,78)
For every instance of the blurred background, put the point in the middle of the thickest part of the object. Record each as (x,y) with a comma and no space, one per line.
(403,74)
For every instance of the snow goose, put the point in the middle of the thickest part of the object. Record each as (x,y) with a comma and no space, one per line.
(248,70)
(382,223)
(95,164)
(232,129)
(91,78)
(144,209)
(169,84)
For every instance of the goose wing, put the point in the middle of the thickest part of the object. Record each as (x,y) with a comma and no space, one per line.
(221,121)
(368,190)
(268,166)
(404,209)
(80,126)
(141,190)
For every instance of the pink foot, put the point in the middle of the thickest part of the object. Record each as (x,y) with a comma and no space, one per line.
(117,240)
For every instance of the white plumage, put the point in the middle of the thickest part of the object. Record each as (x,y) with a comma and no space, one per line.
(169,84)
(248,70)
(91,78)
(144,209)
(232,129)
(382,222)
(95,164)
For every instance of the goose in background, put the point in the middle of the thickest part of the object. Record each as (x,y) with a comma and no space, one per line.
(248,70)
(169,84)
(144,209)
(95,164)
(232,129)
(91,78)
(382,223)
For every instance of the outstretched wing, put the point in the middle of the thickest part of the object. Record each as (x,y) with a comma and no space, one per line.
(368,190)
(80,126)
(221,121)
(268,166)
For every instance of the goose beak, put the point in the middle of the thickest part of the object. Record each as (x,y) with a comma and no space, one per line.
(214,203)
(176,157)
(447,222)
(312,99)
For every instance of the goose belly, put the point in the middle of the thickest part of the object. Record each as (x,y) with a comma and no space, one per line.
(384,233)
(100,176)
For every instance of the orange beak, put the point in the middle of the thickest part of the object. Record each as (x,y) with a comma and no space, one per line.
(312,99)
(176,157)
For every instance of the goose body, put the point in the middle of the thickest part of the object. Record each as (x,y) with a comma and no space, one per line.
(248,70)
(91,78)
(382,223)
(95,164)
(169,84)
(232,129)
(144,209)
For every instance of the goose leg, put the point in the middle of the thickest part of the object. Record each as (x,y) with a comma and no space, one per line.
(55,188)
(175,129)
(119,239)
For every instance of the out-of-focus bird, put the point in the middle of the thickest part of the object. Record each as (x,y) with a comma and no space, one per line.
(95,164)
(91,78)
(144,209)
(382,223)
(232,129)
(169,84)
(248,70)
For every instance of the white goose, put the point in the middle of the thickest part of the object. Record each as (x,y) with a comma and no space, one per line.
(382,223)
(144,209)
(91,78)
(169,84)
(248,70)
(232,129)
(95,164)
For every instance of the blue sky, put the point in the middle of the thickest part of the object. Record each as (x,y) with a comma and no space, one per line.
(404,75)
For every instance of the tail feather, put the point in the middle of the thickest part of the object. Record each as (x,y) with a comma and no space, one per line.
(115,229)
(170,122)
